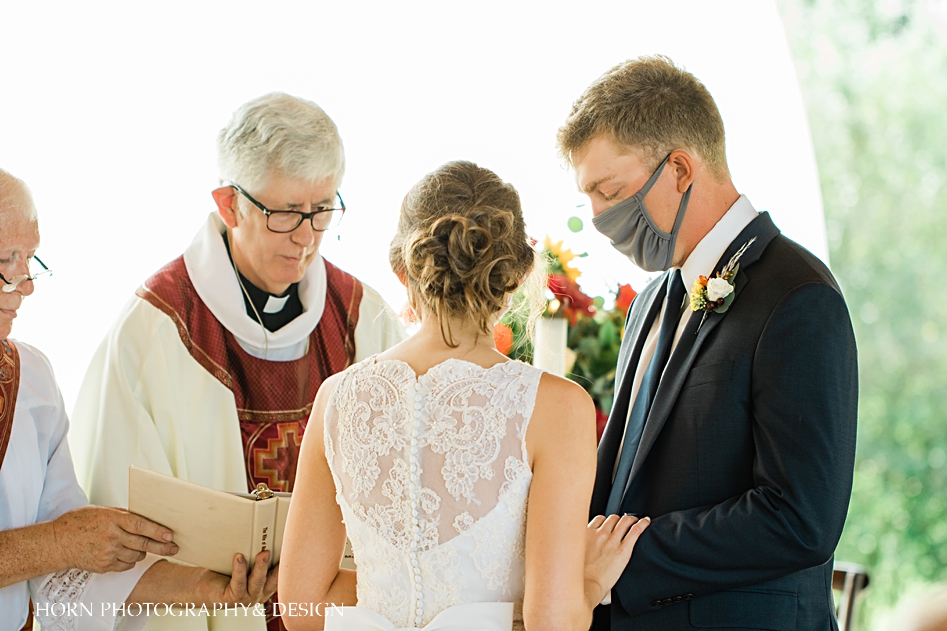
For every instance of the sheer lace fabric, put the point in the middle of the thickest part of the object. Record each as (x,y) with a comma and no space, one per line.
(432,477)
(60,594)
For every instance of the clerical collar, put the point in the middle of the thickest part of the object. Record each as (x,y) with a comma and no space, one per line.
(275,311)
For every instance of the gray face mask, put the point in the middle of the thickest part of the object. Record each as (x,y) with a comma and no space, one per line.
(633,233)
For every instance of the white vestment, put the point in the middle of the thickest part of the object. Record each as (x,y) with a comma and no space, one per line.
(147,402)
(38,484)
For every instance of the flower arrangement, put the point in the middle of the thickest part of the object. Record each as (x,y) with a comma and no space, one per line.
(594,336)
(566,300)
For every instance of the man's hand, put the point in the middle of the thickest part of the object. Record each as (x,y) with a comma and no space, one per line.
(240,588)
(100,539)
(608,546)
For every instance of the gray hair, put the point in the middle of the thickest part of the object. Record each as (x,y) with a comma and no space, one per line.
(282,134)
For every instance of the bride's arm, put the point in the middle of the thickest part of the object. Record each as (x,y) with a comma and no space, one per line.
(314,539)
(561,445)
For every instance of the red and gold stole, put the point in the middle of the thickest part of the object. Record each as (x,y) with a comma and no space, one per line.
(273,398)
(9,384)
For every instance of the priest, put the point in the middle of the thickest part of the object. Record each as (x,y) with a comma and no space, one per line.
(210,371)
(82,566)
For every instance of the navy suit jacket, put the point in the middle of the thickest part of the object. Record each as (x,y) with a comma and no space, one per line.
(745,463)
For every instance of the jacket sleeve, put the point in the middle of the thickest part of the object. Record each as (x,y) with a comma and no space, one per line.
(804,406)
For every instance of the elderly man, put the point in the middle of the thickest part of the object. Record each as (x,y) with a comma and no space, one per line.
(78,563)
(733,425)
(210,372)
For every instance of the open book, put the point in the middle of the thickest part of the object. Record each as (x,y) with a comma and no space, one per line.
(211,526)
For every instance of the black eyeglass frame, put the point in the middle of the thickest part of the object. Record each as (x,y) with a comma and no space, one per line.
(45,271)
(302,216)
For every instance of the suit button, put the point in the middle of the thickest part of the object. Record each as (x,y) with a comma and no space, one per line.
(655,603)
(678,599)
(688,596)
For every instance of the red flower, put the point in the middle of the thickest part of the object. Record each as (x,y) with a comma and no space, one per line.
(503,338)
(600,419)
(574,302)
(625,295)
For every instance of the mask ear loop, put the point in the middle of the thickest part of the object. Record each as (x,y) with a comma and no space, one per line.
(681,210)
(651,180)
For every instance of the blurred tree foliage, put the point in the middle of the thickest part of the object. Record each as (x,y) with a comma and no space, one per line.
(874,78)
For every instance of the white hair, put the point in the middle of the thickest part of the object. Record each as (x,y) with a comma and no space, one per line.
(15,195)
(281,134)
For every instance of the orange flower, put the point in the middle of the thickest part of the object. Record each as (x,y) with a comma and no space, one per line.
(503,338)
(703,281)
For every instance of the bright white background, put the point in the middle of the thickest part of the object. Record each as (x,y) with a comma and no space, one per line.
(109,111)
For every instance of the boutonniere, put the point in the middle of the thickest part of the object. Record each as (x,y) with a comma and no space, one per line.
(715,294)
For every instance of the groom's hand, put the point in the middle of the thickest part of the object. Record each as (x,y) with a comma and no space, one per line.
(609,543)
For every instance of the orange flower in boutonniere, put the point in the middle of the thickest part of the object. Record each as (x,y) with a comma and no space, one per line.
(715,294)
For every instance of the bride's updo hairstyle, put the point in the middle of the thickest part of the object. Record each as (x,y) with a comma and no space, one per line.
(462,247)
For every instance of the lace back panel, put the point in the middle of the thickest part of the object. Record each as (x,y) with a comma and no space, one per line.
(432,477)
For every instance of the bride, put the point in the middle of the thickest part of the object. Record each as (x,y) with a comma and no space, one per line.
(431,455)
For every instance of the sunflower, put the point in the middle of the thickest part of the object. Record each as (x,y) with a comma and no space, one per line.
(563,256)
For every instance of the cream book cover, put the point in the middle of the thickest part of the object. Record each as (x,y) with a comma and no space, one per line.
(211,526)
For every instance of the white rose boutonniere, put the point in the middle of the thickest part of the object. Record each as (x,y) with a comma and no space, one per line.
(718,288)
(715,294)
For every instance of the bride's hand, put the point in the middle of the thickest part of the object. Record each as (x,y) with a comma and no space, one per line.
(608,546)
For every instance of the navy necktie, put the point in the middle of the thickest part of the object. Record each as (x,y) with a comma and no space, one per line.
(674,298)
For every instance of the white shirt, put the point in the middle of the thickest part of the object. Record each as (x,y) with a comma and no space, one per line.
(38,484)
(700,262)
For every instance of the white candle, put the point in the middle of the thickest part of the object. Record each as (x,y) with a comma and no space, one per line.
(549,347)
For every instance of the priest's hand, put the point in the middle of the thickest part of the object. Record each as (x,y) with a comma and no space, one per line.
(100,539)
(247,586)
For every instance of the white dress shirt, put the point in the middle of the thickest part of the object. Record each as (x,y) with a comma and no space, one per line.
(38,484)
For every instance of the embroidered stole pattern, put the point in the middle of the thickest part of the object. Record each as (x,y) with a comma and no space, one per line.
(273,399)
(9,385)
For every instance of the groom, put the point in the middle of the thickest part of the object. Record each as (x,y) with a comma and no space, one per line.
(733,425)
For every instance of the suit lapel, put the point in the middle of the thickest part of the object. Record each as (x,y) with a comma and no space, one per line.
(681,360)
(643,312)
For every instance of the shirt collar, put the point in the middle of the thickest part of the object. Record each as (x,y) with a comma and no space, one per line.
(211,271)
(715,243)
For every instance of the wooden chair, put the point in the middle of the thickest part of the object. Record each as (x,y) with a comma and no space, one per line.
(849,579)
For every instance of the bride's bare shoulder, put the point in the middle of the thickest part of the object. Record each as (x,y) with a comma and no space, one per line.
(560,405)
(553,387)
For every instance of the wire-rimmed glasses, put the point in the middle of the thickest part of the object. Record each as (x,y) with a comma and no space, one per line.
(282,221)
(37,269)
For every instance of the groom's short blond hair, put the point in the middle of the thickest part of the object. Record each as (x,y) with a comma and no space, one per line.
(651,106)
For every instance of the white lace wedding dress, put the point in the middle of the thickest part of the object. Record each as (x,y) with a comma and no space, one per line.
(432,476)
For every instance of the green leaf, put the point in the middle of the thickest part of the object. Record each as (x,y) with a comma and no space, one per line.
(607,335)
(727,301)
